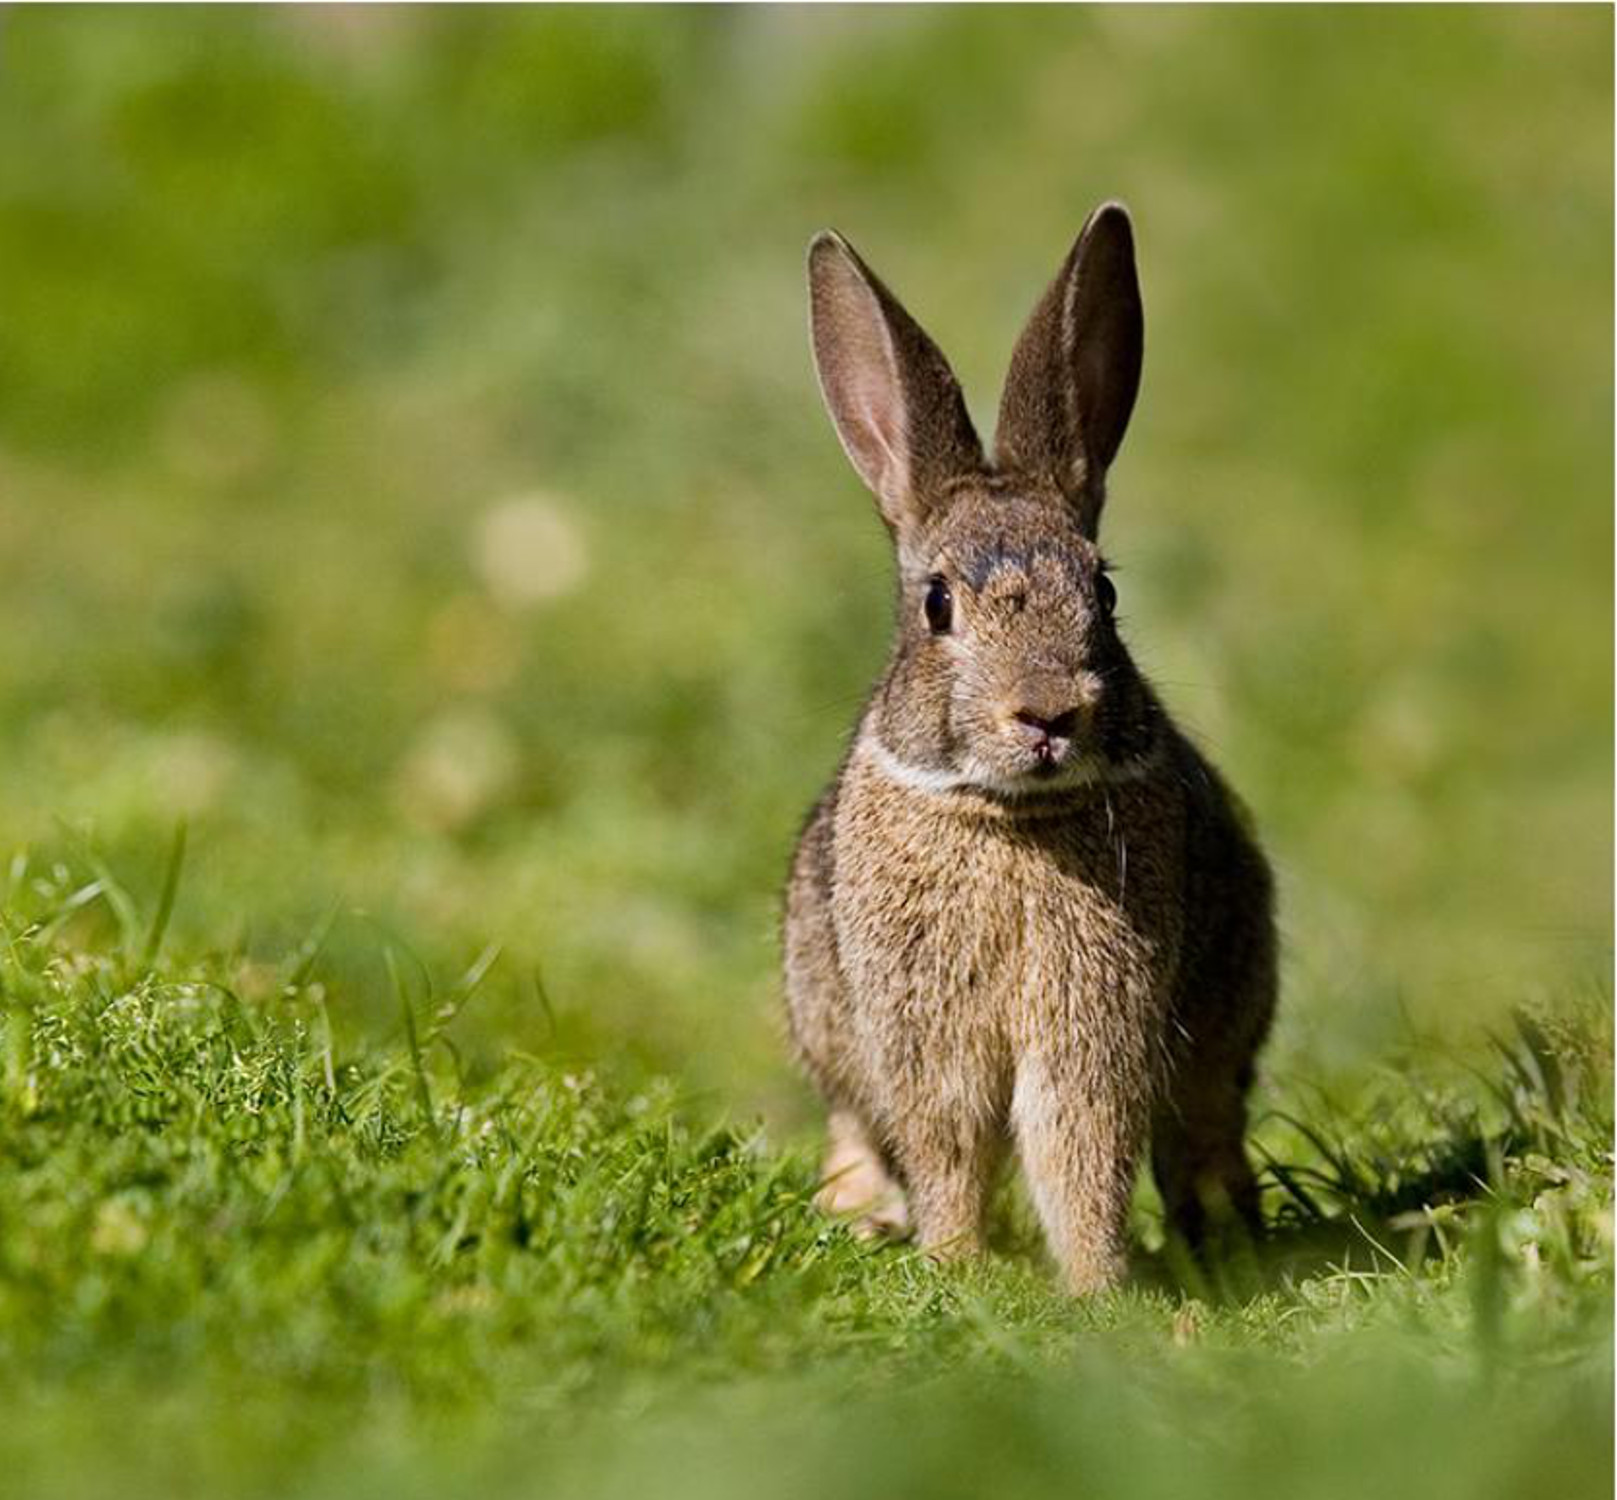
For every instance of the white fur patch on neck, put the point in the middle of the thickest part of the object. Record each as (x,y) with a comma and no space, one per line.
(935,783)
(916,778)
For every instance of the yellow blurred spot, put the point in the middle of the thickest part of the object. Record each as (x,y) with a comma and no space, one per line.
(461,765)
(529,551)
(188,771)
(117,1230)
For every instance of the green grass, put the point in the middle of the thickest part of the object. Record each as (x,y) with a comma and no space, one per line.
(412,482)
(244,1254)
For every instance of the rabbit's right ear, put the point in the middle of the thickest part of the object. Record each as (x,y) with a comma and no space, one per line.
(895,402)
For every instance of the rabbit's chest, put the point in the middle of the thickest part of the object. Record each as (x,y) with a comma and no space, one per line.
(1014,931)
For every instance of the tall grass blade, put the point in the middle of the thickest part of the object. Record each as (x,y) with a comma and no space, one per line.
(413,1039)
(165,899)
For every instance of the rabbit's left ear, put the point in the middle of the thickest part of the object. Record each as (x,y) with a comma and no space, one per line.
(1076,369)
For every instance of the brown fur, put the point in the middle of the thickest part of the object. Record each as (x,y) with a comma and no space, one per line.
(1027,910)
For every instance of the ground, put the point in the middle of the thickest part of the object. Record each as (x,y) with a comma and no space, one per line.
(244,1253)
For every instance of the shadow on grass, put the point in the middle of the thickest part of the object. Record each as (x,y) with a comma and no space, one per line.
(1413,1177)
(1344,1212)
(1336,1230)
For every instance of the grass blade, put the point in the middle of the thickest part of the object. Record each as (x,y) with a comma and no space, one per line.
(165,899)
(423,1089)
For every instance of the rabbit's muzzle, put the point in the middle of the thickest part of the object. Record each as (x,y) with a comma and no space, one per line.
(1051,716)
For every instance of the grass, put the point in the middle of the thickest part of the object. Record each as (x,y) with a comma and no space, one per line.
(413,485)
(254,1256)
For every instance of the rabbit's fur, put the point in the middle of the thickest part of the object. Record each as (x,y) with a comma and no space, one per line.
(1027,909)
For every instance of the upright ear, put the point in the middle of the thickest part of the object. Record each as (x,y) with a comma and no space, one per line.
(1076,368)
(895,402)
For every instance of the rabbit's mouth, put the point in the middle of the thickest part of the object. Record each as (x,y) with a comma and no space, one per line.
(1054,770)
(1051,754)
(1031,757)
(1053,783)
(1042,752)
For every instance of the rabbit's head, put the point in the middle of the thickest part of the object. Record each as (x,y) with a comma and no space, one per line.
(1008,676)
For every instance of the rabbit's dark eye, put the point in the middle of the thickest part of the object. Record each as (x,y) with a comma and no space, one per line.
(1106,592)
(939,605)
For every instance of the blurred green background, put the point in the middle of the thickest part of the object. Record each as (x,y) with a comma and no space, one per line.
(412,474)
(412,479)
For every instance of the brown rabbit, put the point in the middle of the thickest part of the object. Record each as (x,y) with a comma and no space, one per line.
(1027,908)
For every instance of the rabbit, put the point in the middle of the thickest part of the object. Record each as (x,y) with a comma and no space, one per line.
(1027,910)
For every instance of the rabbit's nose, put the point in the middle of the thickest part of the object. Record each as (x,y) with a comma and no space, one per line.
(1048,734)
(1053,709)
(1047,725)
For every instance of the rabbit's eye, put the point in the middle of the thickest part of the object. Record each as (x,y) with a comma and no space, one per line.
(939,605)
(1106,592)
